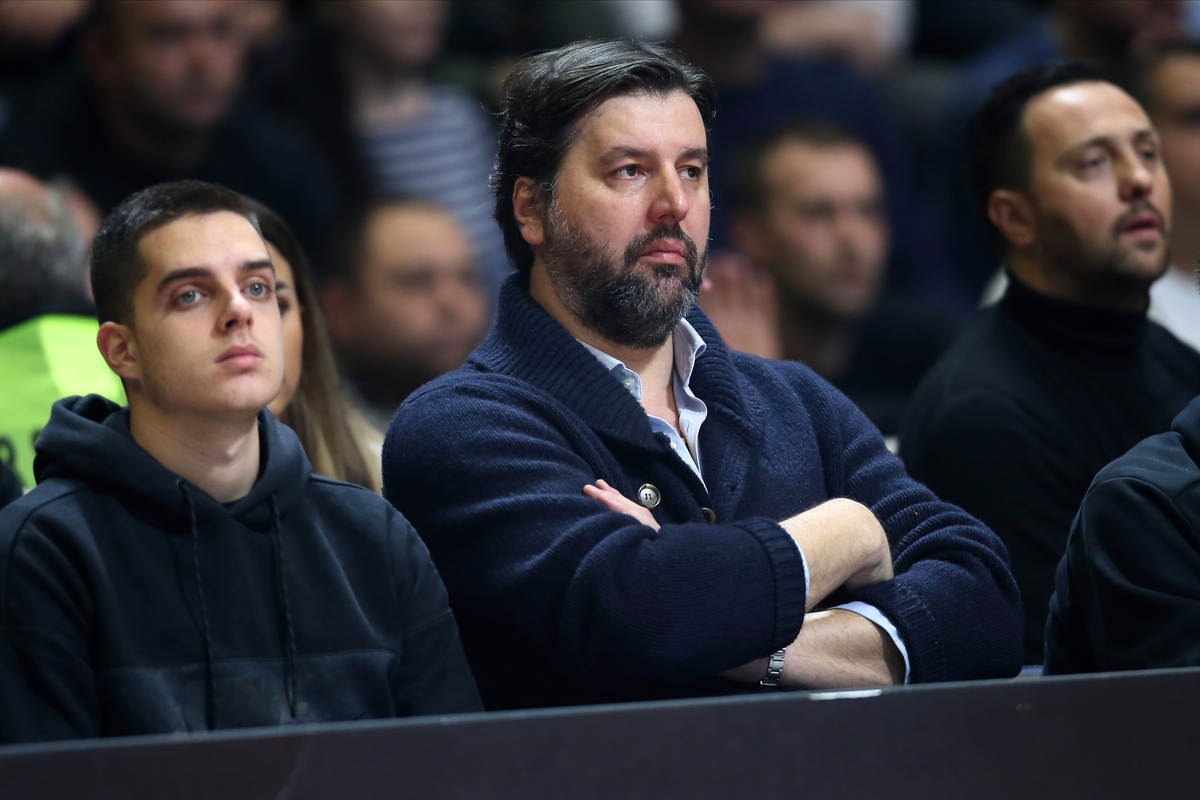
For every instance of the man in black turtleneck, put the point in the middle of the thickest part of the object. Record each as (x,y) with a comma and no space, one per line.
(1066,373)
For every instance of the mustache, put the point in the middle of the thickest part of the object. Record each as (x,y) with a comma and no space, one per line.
(1139,207)
(691,253)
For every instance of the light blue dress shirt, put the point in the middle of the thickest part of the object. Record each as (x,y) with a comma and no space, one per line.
(688,346)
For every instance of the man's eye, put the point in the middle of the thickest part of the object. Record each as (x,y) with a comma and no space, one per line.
(628,171)
(691,172)
(258,289)
(188,297)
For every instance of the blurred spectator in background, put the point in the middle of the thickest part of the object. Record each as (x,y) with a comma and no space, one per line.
(954,30)
(359,87)
(37,41)
(485,38)
(337,439)
(1065,373)
(809,210)
(406,305)
(872,36)
(1170,91)
(158,102)
(47,326)
(1112,35)
(757,91)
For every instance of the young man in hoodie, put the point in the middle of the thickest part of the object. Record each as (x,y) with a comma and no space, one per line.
(178,567)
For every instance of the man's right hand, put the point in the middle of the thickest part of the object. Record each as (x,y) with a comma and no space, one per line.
(843,545)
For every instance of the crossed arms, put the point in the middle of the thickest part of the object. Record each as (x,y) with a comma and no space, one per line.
(541,575)
(844,546)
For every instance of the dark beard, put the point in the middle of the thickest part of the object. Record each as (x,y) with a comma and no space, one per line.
(624,306)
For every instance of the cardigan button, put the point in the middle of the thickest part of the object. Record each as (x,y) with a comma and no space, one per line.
(649,496)
(710,516)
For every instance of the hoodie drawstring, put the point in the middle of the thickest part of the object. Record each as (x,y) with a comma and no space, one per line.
(210,689)
(287,632)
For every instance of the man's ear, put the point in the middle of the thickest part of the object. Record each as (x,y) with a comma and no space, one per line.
(119,348)
(1012,214)
(527,210)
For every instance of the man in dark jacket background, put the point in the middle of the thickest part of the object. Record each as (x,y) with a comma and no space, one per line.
(599,387)
(1065,373)
(1126,592)
(178,567)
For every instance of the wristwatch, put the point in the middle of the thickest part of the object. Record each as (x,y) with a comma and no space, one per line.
(774,669)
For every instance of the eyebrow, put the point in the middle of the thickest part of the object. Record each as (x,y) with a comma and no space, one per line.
(617,153)
(189,273)
(1139,135)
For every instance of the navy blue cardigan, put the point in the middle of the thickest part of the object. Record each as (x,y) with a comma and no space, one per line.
(560,601)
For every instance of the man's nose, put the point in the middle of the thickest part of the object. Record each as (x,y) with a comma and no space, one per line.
(238,312)
(1137,179)
(671,202)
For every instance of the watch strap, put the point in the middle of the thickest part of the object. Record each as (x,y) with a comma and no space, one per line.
(774,669)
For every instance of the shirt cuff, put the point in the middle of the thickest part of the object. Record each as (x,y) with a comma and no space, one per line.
(804,563)
(875,615)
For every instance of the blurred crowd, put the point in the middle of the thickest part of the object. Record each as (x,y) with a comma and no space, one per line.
(366,126)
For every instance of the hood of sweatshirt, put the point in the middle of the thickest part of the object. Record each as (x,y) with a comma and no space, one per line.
(88,439)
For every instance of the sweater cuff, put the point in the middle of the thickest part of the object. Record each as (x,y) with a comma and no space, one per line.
(791,578)
(917,624)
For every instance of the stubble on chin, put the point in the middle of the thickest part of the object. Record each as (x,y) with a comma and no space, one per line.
(1111,266)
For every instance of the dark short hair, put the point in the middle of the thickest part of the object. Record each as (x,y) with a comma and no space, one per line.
(116,265)
(998,152)
(748,192)
(544,97)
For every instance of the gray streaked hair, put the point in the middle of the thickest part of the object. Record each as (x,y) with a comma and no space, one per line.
(41,252)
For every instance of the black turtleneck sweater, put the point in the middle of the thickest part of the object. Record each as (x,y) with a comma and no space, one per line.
(1034,399)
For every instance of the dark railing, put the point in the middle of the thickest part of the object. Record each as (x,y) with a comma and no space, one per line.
(1129,735)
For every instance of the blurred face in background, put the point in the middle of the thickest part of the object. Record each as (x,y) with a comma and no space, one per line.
(417,306)
(293,330)
(822,230)
(397,35)
(172,64)
(1099,195)
(1125,26)
(1175,87)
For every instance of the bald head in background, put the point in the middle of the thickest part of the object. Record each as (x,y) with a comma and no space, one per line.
(41,249)
(47,322)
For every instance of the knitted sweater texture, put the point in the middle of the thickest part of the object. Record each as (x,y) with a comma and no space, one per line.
(560,601)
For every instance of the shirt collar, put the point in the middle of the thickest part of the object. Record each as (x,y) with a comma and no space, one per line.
(687,346)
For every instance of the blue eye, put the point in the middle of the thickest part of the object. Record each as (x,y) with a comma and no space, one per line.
(188,297)
(257,289)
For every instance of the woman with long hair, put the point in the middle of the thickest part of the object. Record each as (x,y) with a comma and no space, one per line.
(338,440)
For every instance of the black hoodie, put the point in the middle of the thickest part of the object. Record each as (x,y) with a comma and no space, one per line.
(1127,592)
(133,602)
